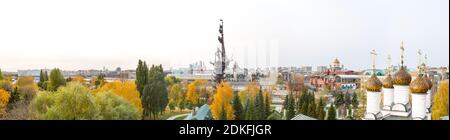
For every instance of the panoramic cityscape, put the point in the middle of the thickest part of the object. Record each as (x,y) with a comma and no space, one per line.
(336,73)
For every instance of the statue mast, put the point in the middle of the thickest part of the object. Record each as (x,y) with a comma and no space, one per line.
(220,63)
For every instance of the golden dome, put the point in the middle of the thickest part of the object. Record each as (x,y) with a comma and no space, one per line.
(402,77)
(373,84)
(336,62)
(388,82)
(419,85)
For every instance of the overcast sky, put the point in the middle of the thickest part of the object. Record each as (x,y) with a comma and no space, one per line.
(90,34)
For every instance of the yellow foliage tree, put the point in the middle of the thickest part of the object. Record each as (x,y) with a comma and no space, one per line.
(126,90)
(4,99)
(79,79)
(222,102)
(197,91)
(440,102)
(25,81)
(26,87)
(249,92)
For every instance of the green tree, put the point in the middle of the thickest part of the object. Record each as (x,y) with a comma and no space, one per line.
(182,104)
(74,102)
(291,107)
(238,109)
(155,97)
(331,113)
(114,107)
(141,76)
(1,75)
(320,112)
(175,94)
(340,102)
(286,102)
(267,108)
(56,79)
(249,110)
(355,102)
(172,105)
(43,78)
(172,80)
(71,102)
(274,116)
(14,98)
(259,106)
(312,109)
(223,114)
(100,80)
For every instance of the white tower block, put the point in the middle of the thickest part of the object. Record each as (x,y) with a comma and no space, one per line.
(373,102)
(428,100)
(388,98)
(418,106)
(401,98)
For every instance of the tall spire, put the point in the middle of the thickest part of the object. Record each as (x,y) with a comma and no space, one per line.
(374,54)
(402,51)
(419,58)
(389,67)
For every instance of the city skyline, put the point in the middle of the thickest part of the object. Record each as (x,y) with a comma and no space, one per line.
(97,34)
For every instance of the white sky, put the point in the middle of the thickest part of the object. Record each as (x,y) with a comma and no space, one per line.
(90,34)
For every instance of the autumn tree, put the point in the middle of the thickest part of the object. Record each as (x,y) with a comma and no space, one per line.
(4,100)
(26,89)
(124,89)
(6,85)
(362,99)
(56,79)
(198,92)
(222,102)
(249,93)
(440,100)
(79,79)
(176,94)
(25,81)
(296,83)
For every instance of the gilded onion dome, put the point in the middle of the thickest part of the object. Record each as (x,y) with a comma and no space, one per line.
(419,85)
(373,84)
(388,82)
(402,77)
